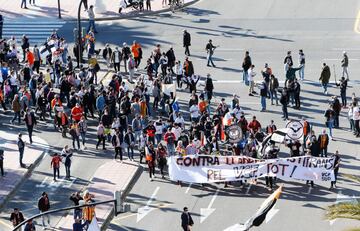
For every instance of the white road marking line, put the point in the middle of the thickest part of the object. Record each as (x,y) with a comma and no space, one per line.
(205,213)
(339,59)
(271,214)
(143,211)
(43,183)
(248,189)
(188,188)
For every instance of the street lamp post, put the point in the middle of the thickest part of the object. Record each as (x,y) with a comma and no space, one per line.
(79,34)
(59,9)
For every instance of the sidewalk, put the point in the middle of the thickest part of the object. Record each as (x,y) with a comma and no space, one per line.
(104,9)
(110,177)
(14,174)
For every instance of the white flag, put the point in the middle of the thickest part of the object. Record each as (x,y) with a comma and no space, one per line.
(93,225)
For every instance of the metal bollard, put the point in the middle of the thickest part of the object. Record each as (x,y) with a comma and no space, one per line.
(118,202)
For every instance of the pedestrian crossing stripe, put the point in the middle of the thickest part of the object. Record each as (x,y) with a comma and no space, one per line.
(36,31)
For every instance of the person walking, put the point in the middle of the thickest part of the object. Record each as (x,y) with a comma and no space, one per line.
(250,78)
(325,77)
(148,5)
(343,86)
(344,65)
(100,132)
(129,141)
(301,64)
(186,220)
(117,142)
(23,3)
(30,226)
(161,154)
(16,217)
(263,95)
(21,147)
(337,161)
(246,65)
(44,206)
(131,67)
(76,198)
(284,100)
(329,119)
(323,140)
(297,90)
(150,156)
(116,58)
(16,107)
(210,48)
(30,121)
(67,154)
(55,165)
(274,85)
(82,125)
(187,42)
(91,16)
(75,133)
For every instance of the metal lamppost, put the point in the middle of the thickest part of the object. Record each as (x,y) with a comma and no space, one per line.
(59,9)
(79,34)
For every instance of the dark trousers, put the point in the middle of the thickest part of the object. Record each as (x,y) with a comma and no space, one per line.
(357,128)
(67,170)
(323,152)
(2,167)
(137,61)
(21,155)
(148,5)
(36,66)
(130,152)
(178,80)
(187,50)
(269,181)
(285,111)
(336,121)
(336,171)
(118,152)
(16,115)
(343,98)
(151,166)
(101,139)
(56,172)
(76,138)
(117,67)
(30,130)
(23,3)
(311,182)
(297,100)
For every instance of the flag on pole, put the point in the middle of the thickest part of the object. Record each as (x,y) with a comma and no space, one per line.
(93,225)
(258,218)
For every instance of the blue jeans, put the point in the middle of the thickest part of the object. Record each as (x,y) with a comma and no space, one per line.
(91,25)
(209,59)
(245,78)
(324,85)
(330,125)
(16,115)
(273,95)
(301,72)
(263,102)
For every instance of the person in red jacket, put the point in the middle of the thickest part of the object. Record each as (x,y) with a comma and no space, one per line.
(55,164)
(169,138)
(76,113)
(254,126)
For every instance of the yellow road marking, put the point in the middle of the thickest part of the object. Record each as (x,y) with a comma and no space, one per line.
(155,206)
(357,23)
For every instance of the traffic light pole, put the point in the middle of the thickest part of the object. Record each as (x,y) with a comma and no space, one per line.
(59,9)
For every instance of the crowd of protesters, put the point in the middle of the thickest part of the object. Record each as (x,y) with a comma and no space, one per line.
(139,111)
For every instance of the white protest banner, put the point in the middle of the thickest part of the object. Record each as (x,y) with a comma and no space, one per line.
(207,169)
(168,88)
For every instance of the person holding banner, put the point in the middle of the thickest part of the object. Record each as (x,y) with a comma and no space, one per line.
(337,158)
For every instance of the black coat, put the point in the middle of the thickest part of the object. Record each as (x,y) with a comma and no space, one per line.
(186,39)
(114,140)
(186,219)
(42,206)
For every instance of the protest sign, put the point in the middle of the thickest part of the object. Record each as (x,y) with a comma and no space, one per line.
(208,169)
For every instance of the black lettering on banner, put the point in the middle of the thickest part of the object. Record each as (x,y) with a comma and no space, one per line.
(325,176)
(196,161)
(187,161)
(283,167)
(179,161)
(293,170)
(216,161)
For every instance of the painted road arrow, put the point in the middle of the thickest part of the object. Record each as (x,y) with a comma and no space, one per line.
(145,210)
(205,213)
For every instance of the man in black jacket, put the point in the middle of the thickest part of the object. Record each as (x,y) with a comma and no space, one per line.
(30,121)
(44,205)
(209,87)
(117,141)
(187,42)
(16,217)
(246,65)
(186,220)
